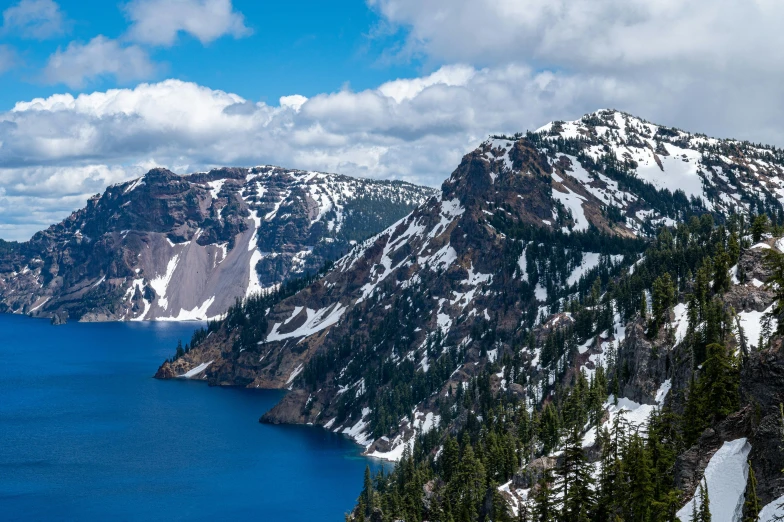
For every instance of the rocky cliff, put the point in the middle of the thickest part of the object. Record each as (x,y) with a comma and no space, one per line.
(175,247)
(527,270)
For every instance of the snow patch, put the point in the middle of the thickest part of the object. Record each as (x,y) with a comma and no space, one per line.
(195,371)
(316,321)
(725,477)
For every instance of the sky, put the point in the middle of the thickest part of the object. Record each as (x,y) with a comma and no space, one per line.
(96,93)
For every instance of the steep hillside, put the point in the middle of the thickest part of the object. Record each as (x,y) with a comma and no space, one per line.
(479,309)
(186,247)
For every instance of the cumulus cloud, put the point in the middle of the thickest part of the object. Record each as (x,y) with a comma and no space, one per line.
(500,66)
(38,19)
(593,34)
(80,63)
(158,22)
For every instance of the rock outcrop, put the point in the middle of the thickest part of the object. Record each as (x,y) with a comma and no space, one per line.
(166,246)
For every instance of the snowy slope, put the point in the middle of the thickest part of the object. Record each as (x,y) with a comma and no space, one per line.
(725,478)
(171,247)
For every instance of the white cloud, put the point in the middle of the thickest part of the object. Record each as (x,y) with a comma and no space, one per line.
(593,34)
(80,63)
(39,19)
(294,101)
(158,22)
(414,129)
(35,197)
(511,66)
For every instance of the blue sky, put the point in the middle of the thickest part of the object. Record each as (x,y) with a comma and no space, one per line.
(304,47)
(96,93)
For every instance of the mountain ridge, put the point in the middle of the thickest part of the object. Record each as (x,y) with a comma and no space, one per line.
(500,287)
(166,246)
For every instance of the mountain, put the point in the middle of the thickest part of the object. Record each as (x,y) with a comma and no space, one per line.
(520,294)
(175,247)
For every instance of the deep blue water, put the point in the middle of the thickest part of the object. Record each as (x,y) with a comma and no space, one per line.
(87,434)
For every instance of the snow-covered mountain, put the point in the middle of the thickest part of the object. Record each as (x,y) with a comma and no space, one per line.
(186,247)
(529,268)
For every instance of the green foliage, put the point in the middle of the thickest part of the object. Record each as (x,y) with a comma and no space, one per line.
(751,508)
(774,262)
(714,394)
(759,227)
(663,299)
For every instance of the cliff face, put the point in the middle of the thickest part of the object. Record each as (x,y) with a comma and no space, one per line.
(186,247)
(528,237)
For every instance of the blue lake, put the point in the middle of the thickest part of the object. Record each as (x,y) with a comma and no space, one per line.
(87,434)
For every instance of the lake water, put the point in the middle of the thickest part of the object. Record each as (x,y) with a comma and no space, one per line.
(87,434)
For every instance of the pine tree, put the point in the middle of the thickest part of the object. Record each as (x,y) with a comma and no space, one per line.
(759,227)
(695,515)
(719,383)
(544,510)
(500,510)
(751,507)
(721,266)
(663,443)
(693,422)
(663,298)
(643,306)
(705,514)
(576,482)
(549,426)
(367,496)
(637,471)
(450,458)
(733,248)
(774,261)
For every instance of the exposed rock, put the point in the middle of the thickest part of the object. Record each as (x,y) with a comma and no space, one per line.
(186,247)
(533,472)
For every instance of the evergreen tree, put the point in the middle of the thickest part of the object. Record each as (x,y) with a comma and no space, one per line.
(500,509)
(366,496)
(637,472)
(544,508)
(759,227)
(643,306)
(705,513)
(663,298)
(774,261)
(751,507)
(733,248)
(549,427)
(719,383)
(721,266)
(575,479)
(450,458)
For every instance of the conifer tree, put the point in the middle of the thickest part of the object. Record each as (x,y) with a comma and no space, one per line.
(500,509)
(759,227)
(637,471)
(449,458)
(575,479)
(544,509)
(549,426)
(774,261)
(751,507)
(366,498)
(663,298)
(607,488)
(643,306)
(705,513)
(721,275)
(719,383)
(733,248)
